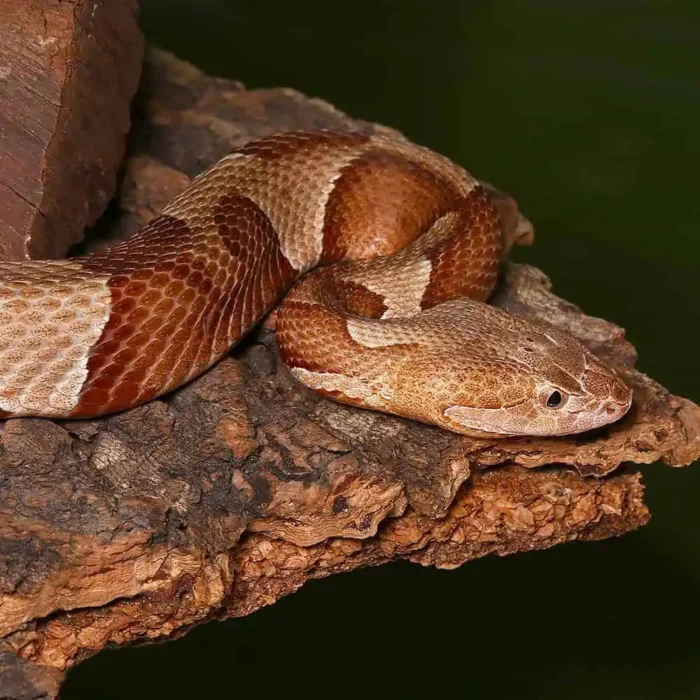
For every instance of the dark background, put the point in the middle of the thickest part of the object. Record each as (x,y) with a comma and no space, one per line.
(589,114)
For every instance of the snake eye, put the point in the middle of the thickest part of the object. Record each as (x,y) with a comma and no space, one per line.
(555,399)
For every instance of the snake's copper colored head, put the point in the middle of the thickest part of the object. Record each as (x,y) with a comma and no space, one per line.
(521,378)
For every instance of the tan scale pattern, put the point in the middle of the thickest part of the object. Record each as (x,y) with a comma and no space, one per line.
(51,314)
(406,333)
(290,177)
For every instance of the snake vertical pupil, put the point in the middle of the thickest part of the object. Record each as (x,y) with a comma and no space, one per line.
(554,399)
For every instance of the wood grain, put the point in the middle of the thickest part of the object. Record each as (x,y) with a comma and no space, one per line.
(68,72)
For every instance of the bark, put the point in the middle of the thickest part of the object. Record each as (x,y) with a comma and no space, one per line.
(68,72)
(25,680)
(243,485)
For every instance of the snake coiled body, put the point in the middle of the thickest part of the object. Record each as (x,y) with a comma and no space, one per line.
(407,245)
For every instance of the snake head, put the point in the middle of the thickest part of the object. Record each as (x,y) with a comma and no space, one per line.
(530,379)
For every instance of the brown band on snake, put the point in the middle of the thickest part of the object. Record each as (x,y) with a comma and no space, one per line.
(356,299)
(202,295)
(405,333)
(367,215)
(466,266)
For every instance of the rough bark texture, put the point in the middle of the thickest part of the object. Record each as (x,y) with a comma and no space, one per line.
(68,72)
(26,680)
(238,488)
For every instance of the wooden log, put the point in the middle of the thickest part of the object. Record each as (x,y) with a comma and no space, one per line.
(68,72)
(243,485)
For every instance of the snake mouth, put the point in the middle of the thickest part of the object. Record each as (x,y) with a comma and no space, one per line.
(485,409)
(603,413)
(517,419)
(467,419)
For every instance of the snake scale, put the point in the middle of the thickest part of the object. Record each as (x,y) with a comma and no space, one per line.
(398,323)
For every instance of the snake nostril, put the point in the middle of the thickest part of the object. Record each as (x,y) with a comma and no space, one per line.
(611,408)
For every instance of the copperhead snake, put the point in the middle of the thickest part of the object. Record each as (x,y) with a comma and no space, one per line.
(397,324)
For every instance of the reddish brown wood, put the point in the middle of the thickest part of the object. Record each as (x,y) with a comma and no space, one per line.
(68,72)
